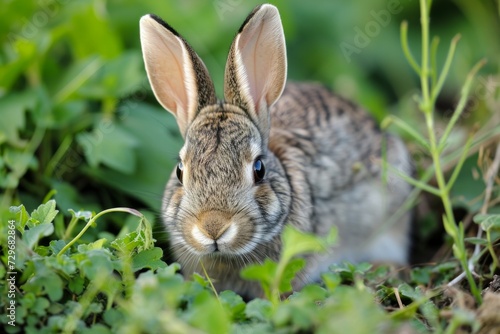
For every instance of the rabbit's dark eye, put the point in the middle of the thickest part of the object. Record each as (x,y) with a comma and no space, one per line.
(259,171)
(179,173)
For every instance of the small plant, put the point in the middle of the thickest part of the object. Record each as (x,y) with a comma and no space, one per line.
(432,81)
(275,278)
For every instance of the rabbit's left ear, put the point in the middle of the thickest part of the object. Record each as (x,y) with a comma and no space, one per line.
(256,67)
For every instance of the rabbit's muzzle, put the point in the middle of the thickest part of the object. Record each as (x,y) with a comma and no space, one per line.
(214,231)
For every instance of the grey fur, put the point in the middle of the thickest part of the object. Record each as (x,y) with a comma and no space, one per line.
(322,155)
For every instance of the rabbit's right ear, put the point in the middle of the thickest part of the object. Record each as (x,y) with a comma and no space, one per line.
(178,77)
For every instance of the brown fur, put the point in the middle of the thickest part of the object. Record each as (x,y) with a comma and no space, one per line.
(322,156)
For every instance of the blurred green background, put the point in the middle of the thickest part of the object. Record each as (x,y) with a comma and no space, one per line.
(77,114)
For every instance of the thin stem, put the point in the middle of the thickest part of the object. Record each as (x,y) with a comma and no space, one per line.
(210,281)
(427,107)
(71,226)
(414,182)
(458,166)
(56,158)
(275,291)
(92,290)
(491,250)
(464,94)
(453,326)
(91,222)
(446,68)
(78,80)
(434,48)
(406,48)
(407,128)
(424,77)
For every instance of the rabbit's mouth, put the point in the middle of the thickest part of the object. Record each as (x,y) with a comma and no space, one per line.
(225,242)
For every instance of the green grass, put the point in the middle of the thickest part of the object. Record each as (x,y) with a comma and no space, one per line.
(81,136)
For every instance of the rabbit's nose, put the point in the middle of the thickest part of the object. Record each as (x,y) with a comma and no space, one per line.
(214,223)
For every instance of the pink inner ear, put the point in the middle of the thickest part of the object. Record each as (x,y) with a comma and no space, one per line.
(169,70)
(257,46)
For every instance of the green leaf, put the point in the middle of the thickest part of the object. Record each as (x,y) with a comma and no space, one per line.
(40,306)
(331,280)
(92,34)
(110,145)
(200,280)
(207,314)
(98,244)
(97,328)
(488,221)
(44,214)
(350,310)
(18,161)
(84,215)
(118,77)
(233,304)
(56,246)
(34,234)
(302,310)
(23,217)
(150,259)
(113,316)
(291,269)
(263,273)
(427,307)
(153,166)
(97,263)
(476,241)
(296,242)
(45,281)
(13,107)
(76,284)
(259,309)
(139,240)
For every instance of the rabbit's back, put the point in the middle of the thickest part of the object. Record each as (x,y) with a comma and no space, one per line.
(333,152)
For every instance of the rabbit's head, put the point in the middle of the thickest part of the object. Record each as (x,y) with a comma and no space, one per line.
(228,193)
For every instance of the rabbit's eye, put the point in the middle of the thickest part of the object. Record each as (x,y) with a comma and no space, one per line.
(259,171)
(180,167)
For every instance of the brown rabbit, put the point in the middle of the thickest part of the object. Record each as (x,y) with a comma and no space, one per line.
(267,156)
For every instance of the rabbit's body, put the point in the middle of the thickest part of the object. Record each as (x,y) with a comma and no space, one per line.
(255,162)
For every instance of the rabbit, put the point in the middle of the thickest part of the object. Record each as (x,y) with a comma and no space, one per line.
(270,154)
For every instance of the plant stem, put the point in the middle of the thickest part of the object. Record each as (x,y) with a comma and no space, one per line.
(210,281)
(427,106)
(91,222)
(406,49)
(275,291)
(424,76)
(70,227)
(491,250)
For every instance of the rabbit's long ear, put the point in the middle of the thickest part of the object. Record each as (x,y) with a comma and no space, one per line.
(179,79)
(256,67)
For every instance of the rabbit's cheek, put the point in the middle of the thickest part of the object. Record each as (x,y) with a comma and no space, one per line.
(244,239)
